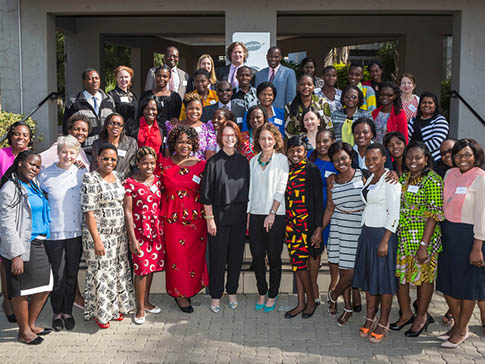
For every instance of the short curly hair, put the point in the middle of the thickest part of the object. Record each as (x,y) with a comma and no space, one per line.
(234,45)
(273,129)
(191,97)
(176,132)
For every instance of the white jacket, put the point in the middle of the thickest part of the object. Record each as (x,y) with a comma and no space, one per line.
(382,204)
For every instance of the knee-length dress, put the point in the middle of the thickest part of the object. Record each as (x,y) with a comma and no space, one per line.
(109,286)
(185,229)
(148,231)
(345,226)
(420,200)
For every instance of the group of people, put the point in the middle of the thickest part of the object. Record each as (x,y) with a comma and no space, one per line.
(201,162)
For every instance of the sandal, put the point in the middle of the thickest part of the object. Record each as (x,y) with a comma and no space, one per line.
(447,319)
(364,331)
(344,317)
(332,304)
(377,338)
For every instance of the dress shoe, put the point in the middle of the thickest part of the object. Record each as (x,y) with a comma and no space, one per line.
(120,317)
(449,345)
(305,315)
(45,331)
(233,305)
(69,323)
(154,310)
(58,324)
(395,327)
(38,340)
(271,308)
(289,315)
(101,325)
(215,309)
(186,309)
(139,320)
(411,333)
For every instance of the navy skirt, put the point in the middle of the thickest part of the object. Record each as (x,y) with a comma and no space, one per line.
(456,276)
(374,274)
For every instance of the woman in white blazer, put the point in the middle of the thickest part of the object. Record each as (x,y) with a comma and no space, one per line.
(375,263)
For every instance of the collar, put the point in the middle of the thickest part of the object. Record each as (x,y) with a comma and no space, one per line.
(88,96)
(144,125)
(220,105)
(276,69)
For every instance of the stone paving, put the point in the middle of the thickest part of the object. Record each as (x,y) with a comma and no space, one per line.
(241,336)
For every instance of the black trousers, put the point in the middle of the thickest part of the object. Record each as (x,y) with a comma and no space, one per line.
(64,256)
(226,248)
(270,243)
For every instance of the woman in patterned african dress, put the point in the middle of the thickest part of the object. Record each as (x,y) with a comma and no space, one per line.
(184,226)
(304,215)
(419,236)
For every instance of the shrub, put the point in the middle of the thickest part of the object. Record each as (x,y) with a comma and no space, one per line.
(7,119)
(343,70)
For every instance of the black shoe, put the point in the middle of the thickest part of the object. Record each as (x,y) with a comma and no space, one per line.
(69,323)
(289,315)
(411,333)
(395,327)
(415,306)
(38,340)
(430,319)
(357,308)
(46,331)
(58,324)
(186,309)
(10,318)
(305,315)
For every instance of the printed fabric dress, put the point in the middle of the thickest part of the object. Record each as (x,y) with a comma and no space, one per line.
(148,231)
(109,286)
(297,217)
(419,201)
(185,229)
(247,147)
(207,138)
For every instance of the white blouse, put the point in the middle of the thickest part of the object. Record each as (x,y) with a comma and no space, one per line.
(268,184)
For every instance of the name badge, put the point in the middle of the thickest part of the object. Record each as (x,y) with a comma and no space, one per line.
(317,90)
(212,102)
(328,173)
(320,112)
(413,189)
(412,107)
(196,179)
(371,187)
(461,190)
(154,188)
(121,152)
(184,83)
(124,99)
(358,184)
(239,120)
(278,121)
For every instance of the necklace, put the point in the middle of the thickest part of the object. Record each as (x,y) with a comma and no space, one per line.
(264,164)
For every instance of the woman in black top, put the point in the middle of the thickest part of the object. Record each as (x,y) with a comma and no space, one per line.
(224,193)
(125,101)
(169,102)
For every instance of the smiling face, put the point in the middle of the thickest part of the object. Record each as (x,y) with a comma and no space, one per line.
(224,92)
(29,168)
(306,86)
(296,154)
(407,86)
(342,161)
(162,78)
(256,119)
(266,97)
(465,159)
(201,84)
(267,141)
(416,160)
(80,131)
(147,165)
(330,77)
(194,111)
(237,56)
(308,69)
(183,146)
(20,138)
(374,160)
(311,122)
(107,161)
(274,57)
(67,157)
(92,82)
(123,79)
(375,73)
(445,152)
(218,119)
(150,111)
(115,126)
(206,64)
(363,135)
(396,147)
(355,75)
(428,107)
(172,57)
(229,138)
(324,141)
(244,77)
(387,96)
(351,98)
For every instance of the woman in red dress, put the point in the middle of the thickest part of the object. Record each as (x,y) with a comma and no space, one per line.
(183,223)
(142,217)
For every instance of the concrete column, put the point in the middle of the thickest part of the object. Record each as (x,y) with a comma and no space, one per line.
(468,72)
(136,66)
(262,20)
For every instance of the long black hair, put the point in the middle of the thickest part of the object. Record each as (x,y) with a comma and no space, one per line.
(435,100)
(296,103)
(397,103)
(12,174)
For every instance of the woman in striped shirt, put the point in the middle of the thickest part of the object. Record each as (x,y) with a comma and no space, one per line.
(429,126)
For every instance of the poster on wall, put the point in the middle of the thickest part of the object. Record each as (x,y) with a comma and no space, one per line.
(257,45)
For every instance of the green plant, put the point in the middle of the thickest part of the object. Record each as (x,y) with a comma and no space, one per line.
(445,98)
(342,72)
(158,59)
(389,57)
(294,66)
(7,119)
(114,56)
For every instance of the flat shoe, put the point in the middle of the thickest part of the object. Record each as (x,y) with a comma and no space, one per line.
(154,310)
(77,305)
(233,305)
(215,309)
(186,309)
(100,325)
(38,340)
(58,324)
(45,331)
(69,323)
(120,317)
(139,320)
(305,315)
(289,315)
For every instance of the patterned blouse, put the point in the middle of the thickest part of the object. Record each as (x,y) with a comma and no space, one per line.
(247,148)
(207,138)
(411,108)
(419,201)
(294,123)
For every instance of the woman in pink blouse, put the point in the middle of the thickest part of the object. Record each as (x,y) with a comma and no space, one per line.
(461,272)
(409,100)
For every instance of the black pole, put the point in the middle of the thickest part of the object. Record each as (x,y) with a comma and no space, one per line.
(454,93)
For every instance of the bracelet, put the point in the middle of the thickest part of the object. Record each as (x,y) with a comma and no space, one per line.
(272,212)
(209,217)
(422,243)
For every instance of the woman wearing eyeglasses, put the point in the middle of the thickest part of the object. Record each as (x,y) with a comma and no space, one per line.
(108,292)
(114,133)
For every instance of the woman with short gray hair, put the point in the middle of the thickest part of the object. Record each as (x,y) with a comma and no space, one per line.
(62,183)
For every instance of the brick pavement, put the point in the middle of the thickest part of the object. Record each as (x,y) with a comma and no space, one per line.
(243,336)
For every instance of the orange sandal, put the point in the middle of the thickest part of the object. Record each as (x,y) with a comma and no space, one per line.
(377,338)
(364,331)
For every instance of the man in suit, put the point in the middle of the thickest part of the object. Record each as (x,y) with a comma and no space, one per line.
(178,77)
(238,54)
(224,92)
(283,78)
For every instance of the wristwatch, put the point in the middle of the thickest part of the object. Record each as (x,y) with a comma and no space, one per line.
(272,212)
(423,243)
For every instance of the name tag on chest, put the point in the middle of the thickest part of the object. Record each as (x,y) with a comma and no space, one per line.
(358,184)
(460,190)
(413,189)
(196,179)
(278,121)
(121,152)
(154,188)
(124,99)
(328,173)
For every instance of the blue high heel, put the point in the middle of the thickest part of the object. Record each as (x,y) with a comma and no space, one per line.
(259,306)
(271,308)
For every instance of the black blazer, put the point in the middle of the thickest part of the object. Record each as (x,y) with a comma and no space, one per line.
(236,109)
(222,73)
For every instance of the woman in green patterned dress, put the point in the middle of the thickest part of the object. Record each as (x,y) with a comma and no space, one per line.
(419,236)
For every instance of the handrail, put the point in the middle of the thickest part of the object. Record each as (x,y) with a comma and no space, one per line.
(456,94)
(50,96)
